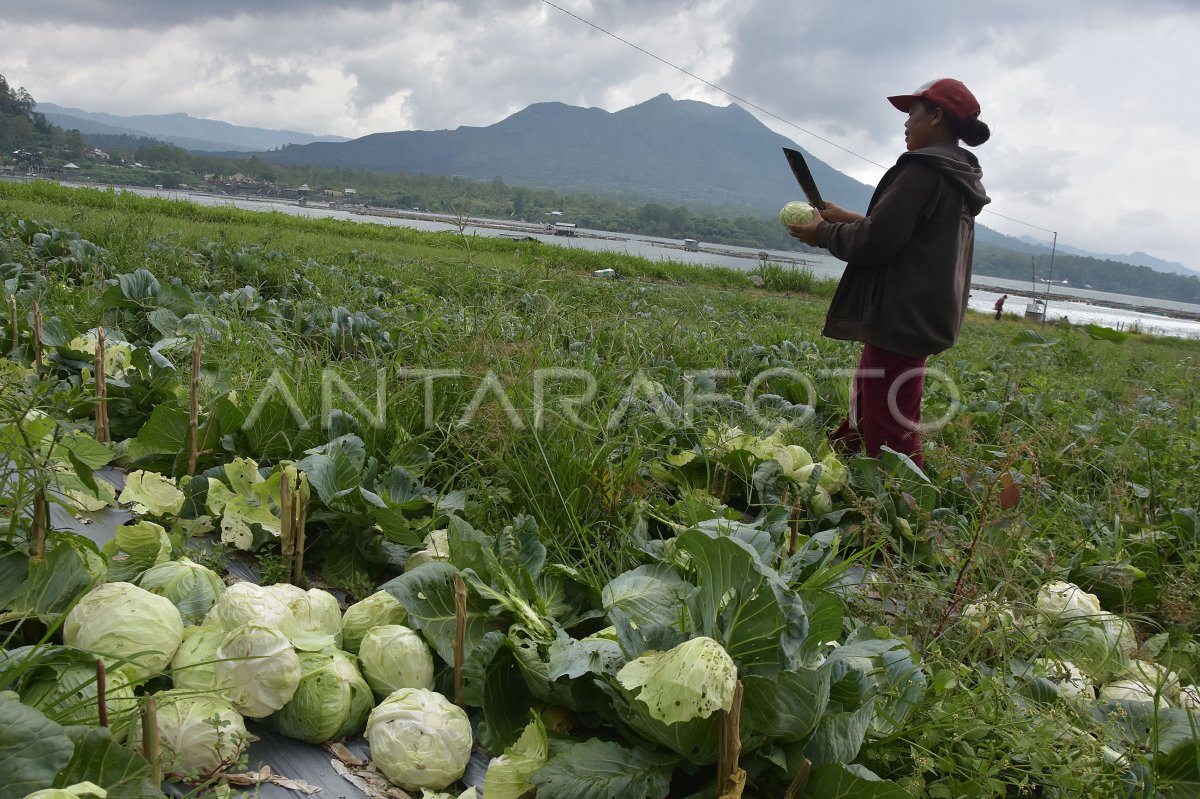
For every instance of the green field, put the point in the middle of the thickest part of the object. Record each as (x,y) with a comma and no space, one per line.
(603,448)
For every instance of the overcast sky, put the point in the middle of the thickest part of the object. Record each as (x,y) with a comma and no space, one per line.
(1092,103)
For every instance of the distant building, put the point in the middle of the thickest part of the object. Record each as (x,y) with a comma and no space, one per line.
(691,244)
(564,228)
(70,165)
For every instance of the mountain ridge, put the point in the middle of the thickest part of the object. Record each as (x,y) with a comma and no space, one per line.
(719,160)
(180,129)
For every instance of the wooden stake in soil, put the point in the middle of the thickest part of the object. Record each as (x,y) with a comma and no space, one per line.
(460,634)
(101,392)
(300,515)
(101,692)
(194,411)
(731,780)
(287,535)
(801,780)
(150,739)
(40,524)
(37,338)
(12,315)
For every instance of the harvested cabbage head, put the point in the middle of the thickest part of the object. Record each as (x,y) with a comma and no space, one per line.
(691,681)
(247,603)
(419,739)
(796,213)
(378,609)
(63,686)
(194,666)
(331,701)
(128,626)
(315,611)
(258,669)
(395,657)
(199,735)
(193,588)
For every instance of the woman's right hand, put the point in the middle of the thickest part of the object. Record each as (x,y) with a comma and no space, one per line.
(835,213)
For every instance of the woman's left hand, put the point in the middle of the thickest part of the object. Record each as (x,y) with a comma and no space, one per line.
(807,232)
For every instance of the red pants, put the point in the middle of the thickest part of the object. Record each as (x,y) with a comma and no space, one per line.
(885,405)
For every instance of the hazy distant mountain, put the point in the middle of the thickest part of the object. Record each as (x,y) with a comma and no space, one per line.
(1136,258)
(182,130)
(664,150)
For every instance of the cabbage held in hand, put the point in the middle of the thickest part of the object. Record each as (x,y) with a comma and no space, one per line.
(198,735)
(331,702)
(796,213)
(419,739)
(395,657)
(258,669)
(129,626)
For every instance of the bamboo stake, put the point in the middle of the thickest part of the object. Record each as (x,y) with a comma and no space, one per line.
(287,535)
(194,411)
(298,536)
(150,739)
(101,391)
(101,692)
(460,634)
(40,524)
(12,315)
(37,338)
(731,779)
(801,780)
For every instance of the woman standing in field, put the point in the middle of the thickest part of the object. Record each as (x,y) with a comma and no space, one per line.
(908,265)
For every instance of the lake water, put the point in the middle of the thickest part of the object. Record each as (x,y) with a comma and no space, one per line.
(1080,306)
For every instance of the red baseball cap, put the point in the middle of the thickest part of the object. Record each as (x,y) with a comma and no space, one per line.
(947,93)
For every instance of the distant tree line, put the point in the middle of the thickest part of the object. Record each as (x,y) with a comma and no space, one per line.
(26,136)
(1083,272)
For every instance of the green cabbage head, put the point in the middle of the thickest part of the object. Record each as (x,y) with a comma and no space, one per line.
(395,657)
(199,735)
(63,686)
(378,609)
(691,681)
(128,626)
(419,739)
(796,213)
(314,610)
(332,700)
(194,666)
(79,790)
(193,588)
(258,669)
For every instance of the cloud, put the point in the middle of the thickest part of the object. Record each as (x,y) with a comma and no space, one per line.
(1080,94)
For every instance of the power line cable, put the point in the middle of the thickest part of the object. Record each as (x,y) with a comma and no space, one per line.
(755,106)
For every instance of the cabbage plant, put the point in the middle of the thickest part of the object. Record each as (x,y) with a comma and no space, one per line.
(691,681)
(258,668)
(395,657)
(247,603)
(126,625)
(199,735)
(419,739)
(332,699)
